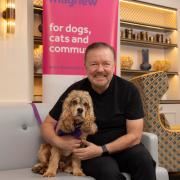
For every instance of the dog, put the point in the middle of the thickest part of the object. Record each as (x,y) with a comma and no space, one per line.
(77,119)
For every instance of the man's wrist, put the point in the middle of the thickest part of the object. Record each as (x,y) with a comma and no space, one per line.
(105,151)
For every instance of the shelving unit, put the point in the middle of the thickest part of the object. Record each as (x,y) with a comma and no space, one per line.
(38,10)
(145,26)
(131,42)
(131,18)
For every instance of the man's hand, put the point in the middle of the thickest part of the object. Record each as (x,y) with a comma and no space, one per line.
(90,151)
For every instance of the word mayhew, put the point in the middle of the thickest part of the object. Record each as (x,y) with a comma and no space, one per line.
(76,2)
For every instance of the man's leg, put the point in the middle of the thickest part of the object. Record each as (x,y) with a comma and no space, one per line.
(137,162)
(102,168)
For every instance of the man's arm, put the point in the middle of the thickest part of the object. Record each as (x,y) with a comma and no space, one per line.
(47,130)
(133,136)
(64,142)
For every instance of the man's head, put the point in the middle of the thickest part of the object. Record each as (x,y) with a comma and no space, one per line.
(100,63)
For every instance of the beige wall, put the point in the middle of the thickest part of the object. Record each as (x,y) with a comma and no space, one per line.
(16,56)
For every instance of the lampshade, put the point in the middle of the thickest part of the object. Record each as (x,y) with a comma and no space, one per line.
(9,16)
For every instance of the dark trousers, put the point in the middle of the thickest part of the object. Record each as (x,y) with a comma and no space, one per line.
(136,161)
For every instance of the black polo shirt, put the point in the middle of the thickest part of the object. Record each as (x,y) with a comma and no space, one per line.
(121,101)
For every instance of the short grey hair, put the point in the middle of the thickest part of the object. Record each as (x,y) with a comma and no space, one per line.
(97,45)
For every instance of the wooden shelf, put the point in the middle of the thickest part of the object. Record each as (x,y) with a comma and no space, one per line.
(38,40)
(38,10)
(129,24)
(37,99)
(38,75)
(170,102)
(140,72)
(147,44)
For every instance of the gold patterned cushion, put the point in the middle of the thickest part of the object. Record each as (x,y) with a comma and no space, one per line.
(164,121)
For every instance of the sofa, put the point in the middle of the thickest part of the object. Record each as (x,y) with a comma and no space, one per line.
(20,139)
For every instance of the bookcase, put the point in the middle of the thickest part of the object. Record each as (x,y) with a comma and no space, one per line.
(38,50)
(148,26)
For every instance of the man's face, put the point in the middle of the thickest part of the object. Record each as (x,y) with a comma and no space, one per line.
(100,67)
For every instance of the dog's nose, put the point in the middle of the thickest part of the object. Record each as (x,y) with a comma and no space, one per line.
(79,110)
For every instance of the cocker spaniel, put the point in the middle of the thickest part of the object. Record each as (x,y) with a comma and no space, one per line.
(77,119)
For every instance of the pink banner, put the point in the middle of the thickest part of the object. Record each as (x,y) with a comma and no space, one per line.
(69,26)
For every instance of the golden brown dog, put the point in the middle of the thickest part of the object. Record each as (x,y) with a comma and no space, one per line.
(77,119)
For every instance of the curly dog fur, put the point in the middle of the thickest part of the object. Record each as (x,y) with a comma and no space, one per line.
(78,111)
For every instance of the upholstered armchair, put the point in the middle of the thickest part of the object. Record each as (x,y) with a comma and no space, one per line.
(152,87)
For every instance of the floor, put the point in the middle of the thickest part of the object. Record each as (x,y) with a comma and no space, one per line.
(175,176)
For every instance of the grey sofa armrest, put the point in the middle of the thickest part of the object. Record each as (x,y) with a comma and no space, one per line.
(150,141)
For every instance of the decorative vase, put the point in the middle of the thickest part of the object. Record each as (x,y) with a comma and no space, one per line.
(145,60)
(161,65)
(40,28)
(126,62)
(38,59)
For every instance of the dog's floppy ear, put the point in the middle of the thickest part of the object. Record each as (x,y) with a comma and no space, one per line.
(90,113)
(89,127)
(65,122)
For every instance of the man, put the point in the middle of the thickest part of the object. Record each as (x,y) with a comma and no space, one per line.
(116,147)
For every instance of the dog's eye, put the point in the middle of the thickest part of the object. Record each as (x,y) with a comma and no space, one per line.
(74,102)
(85,104)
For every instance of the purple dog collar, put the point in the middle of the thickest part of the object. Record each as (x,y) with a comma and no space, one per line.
(76,133)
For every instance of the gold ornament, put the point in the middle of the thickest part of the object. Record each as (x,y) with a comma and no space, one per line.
(126,62)
(161,65)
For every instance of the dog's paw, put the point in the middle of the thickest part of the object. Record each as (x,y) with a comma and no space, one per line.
(68,169)
(49,174)
(39,168)
(78,173)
